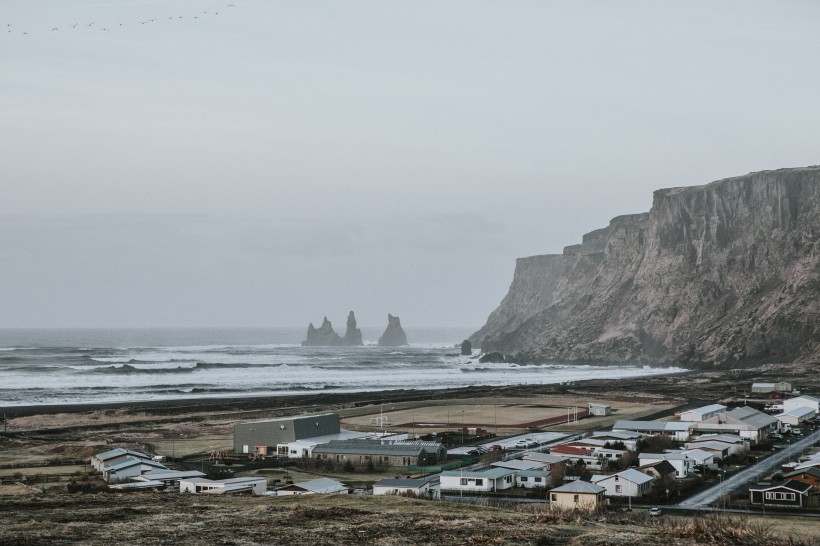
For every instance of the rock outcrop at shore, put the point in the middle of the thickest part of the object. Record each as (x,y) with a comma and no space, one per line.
(326,336)
(394,335)
(717,275)
(353,336)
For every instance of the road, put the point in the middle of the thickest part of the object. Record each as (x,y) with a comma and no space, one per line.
(751,474)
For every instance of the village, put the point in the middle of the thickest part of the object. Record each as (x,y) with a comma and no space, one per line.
(752,455)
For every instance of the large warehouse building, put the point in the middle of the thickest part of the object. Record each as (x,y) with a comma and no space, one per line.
(260,436)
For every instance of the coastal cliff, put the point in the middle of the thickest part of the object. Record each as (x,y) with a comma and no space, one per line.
(712,275)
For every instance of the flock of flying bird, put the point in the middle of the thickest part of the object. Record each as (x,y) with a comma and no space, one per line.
(93,25)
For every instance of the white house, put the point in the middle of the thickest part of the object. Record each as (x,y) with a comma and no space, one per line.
(538,477)
(628,483)
(491,479)
(124,470)
(702,413)
(421,487)
(319,486)
(796,416)
(802,401)
(701,457)
(682,463)
(253,484)
(577,495)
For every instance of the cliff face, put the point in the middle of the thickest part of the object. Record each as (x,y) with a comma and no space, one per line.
(713,275)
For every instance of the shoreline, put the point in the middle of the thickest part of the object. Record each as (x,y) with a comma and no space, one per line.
(254,401)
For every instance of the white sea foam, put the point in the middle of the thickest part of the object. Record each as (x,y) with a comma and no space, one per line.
(99,374)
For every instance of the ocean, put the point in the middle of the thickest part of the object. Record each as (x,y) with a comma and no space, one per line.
(70,366)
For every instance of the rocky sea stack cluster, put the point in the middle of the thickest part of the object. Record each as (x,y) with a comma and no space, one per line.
(723,274)
(393,336)
(325,335)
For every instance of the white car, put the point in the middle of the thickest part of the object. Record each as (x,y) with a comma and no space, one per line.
(654,511)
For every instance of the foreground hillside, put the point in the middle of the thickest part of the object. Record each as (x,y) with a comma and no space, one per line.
(167,518)
(717,274)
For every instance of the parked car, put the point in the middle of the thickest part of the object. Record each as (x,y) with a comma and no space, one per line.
(654,511)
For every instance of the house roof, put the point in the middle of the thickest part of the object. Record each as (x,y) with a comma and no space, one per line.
(400,482)
(172,474)
(145,484)
(321,485)
(806,397)
(696,453)
(713,446)
(665,456)
(652,426)
(752,417)
(571,450)
(118,452)
(518,464)
(798,412)
(378,447)
(490,473)
(661,467)
(629,474)
(727,438)
(588,442)
(811,470)
(579,487)
(534,473)
(711,408)
(794,485)
(618,435)
(291,418)
(131,461)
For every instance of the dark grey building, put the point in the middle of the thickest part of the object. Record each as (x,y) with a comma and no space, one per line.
(247,437)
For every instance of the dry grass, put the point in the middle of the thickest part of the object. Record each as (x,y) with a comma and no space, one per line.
(161,518)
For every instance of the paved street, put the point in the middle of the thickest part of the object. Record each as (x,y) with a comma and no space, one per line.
(751,474)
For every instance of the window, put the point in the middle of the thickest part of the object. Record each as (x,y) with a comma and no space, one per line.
(575,498)
(479,482)
(537,480)
(463,481)
(554,498)
(618,488)
(524,478)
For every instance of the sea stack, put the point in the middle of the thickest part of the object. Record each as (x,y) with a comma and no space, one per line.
(353,335)
(324,335)
(466,348)
(393,336)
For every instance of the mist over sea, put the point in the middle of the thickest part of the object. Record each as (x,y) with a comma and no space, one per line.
(57,366)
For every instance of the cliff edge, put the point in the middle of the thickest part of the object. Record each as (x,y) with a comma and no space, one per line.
(712,275)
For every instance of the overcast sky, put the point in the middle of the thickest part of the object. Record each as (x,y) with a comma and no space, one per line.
(281,161)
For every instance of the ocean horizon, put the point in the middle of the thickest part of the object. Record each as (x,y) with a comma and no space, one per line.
(42,366)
